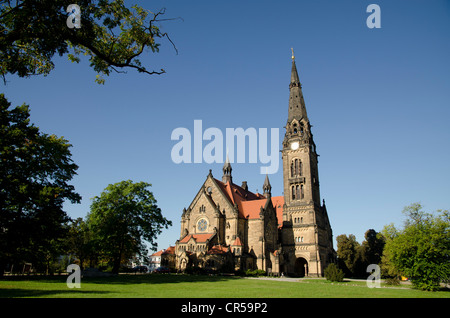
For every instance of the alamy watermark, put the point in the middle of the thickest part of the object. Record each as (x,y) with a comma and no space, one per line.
(374,19)
(235,139)
(74,18)
(75,276)
(374,279)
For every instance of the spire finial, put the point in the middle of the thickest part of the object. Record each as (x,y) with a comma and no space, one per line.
(293,57)
(227,170)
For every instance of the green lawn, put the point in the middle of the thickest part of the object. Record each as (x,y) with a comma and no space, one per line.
(170,286)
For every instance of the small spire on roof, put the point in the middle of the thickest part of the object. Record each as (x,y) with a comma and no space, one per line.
(267,188)
(293,56)
(227,171)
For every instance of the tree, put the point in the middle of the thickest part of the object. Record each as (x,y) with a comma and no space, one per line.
(123,218)
(111,34)
(79,242)
(373,246)
(369,252)
(421,250)
(346,252)
(35,172)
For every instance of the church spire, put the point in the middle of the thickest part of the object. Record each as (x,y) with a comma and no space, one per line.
(297,107)
(227,171)
(267,188)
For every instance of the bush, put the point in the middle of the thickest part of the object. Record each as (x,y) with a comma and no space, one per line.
(392,281)
(256,272)
(333,273)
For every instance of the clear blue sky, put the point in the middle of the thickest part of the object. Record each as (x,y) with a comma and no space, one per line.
(378,100)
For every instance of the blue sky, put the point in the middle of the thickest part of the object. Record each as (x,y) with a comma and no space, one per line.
(378,100)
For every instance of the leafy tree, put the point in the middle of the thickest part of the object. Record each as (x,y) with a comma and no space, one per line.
(421,250)
(354,258)
(80,242)
(373,247)
(35,172)
(369,252)
(112,35)
(123,218)
(347,253)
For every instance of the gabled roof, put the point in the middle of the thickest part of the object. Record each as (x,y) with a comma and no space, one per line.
(237,242)
(170,250)
(251,209)
(217,249)
(199,238)
(235,193)
(157,253)
(249,203)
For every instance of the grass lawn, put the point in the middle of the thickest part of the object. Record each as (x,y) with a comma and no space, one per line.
(185,286)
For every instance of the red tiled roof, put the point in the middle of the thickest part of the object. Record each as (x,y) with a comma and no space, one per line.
(170,250)
(157,253)
(249,203)
(237,241)
(218,249)
(251,209)
(237,194)
(199,238)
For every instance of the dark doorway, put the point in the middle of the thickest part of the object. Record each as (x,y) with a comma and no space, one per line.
(301,267)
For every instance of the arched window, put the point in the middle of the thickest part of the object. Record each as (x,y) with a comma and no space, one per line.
(293,192)
(301,220)
(292,169)
(297,191)
(302,194)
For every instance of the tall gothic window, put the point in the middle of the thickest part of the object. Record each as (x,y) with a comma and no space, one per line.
(296,168)
(293,192)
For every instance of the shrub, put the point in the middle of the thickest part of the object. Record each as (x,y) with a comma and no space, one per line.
(333,273)
(256,272)
(393,281)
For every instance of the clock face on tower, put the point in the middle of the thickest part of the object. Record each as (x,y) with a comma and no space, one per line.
(202,225)
(294,145)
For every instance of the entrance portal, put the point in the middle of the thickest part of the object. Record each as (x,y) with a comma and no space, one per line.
(301,267)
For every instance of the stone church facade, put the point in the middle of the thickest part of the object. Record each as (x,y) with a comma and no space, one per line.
(227,227)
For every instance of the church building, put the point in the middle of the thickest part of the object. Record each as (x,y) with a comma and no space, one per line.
(226,227)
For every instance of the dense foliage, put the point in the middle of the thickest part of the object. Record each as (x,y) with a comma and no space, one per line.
(35,171)
(112,35)
(354,258)
(421,250)
(123,219)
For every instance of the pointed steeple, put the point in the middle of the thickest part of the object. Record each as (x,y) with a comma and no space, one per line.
(227,171)
(297,107)
(267,188)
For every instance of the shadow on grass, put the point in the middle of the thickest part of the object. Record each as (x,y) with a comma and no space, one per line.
(23,292)
(156,279)
(126,279)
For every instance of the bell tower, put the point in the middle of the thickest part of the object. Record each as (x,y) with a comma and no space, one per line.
(306,235)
